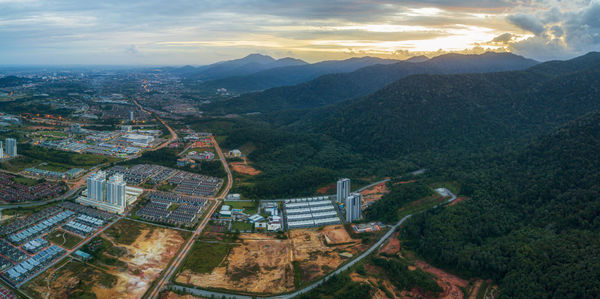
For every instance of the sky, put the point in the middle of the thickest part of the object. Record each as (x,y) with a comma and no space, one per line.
(176,32)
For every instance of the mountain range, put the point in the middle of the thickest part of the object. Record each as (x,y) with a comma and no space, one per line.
(291,75)
(333,88)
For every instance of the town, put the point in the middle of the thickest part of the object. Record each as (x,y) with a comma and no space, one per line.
(111,171)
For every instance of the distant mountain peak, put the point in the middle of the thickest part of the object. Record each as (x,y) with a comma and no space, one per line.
(419,58)
(257,58)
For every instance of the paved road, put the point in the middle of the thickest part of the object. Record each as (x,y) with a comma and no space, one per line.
(170,271)
(173,133)
(209,294)
(371,185)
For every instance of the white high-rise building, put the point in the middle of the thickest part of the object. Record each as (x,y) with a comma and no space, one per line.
(115,191)
(11,147)
(131,116)
(1,151)
(108,195)
(353,207)
(96,184)
(343,190)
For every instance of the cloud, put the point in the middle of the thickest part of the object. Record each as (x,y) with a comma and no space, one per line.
(527,22)
(503,38)
(559,33)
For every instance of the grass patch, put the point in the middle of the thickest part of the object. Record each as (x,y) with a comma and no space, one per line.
(166,187)
(241,226)
(204,257)
(63,239)
(173,207)
(126,231)
(25,181)
(248,206)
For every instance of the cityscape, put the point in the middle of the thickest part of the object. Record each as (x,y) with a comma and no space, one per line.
(299,149)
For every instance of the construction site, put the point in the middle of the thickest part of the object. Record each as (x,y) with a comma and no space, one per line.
(265,265)
(124,261)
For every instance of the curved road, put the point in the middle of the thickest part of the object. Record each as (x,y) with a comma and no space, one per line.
(209,294)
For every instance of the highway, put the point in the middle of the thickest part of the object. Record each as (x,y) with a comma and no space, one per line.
(170,271)
(164,123)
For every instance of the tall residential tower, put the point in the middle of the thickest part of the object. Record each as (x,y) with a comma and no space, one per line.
(353,207)
(343,190)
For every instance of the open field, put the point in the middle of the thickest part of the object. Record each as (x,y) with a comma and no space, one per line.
(63,239)
(127,258)
(262,264)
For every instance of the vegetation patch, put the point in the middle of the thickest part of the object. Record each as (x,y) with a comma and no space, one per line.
(204,257)
(63,239)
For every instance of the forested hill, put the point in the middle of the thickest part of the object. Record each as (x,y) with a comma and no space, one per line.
(464,112)
(531,224)
(333,88)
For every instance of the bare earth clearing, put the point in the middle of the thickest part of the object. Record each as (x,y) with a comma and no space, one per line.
(243,168)
(137,265)
(264,265)
(374,193)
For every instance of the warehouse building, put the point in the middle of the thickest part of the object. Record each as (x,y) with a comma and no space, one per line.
(310,212)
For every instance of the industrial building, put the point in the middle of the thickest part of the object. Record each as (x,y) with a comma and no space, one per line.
(310,212)
(138,139)
(353,207)
(343,190)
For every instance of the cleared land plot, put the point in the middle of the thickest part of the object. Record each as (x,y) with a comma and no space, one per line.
(374,193)
(243,168)
(261,264)
(126,259)
(63,239)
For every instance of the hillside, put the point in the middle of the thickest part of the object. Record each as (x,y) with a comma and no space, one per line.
(464,112)
(333,88)
(291,75)
(532,224)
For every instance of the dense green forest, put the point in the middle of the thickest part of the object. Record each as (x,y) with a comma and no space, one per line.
(532,223)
